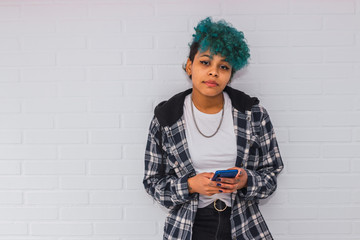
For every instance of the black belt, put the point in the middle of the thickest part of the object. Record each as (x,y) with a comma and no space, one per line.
(218,205)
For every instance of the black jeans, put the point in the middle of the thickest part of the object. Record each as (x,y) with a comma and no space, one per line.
(211,224)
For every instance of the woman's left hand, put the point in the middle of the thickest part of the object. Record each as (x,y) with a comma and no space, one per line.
(229,185)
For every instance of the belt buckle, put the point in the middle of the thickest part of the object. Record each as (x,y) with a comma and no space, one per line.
(219,210)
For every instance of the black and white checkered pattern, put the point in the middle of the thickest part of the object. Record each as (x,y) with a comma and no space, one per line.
(167,171)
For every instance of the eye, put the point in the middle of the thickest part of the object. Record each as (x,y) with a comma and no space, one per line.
(205,62)
(224,67)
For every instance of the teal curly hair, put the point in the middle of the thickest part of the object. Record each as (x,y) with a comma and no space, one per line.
(221,38)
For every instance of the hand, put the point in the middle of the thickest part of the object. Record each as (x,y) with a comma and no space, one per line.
(201,183)
(228,185)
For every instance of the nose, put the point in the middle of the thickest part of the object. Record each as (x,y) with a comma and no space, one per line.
(213,72)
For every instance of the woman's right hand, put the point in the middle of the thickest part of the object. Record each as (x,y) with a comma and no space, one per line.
(201,183)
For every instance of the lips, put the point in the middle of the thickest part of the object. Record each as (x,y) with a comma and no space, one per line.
(211,83)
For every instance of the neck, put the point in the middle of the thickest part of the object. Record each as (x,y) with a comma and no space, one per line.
(208,104)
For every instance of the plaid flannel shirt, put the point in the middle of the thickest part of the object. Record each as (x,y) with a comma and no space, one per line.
(168,165)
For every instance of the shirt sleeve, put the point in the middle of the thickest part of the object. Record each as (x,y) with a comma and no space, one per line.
(262,181)
(160,180)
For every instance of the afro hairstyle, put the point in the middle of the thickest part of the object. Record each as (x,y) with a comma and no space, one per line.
(221,38)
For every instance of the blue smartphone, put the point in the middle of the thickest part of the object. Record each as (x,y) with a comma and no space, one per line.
(224,174)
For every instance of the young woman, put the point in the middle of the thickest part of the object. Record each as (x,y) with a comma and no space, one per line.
(207,128)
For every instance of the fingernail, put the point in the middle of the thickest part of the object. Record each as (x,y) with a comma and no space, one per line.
(218,179)
(220,190)
(218,184)
(240,172)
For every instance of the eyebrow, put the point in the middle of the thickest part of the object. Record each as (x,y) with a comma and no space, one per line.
(206,55)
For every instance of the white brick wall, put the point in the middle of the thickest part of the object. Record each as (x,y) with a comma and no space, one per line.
(79,81)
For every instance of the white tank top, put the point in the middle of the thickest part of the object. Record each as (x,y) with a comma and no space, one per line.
(210,154)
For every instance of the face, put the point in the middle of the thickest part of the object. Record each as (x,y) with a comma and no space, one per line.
(209,73)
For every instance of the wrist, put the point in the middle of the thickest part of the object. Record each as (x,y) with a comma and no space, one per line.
(190,185)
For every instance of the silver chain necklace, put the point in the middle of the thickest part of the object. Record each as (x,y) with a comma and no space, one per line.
(193,115)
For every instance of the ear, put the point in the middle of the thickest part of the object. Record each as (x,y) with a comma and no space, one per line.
(188,67)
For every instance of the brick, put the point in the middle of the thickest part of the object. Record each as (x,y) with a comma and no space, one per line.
(267,39)
(54,168)
(90,182)
(25,182)
(322,71)
(121,42)
(357,135)
(24,90)
(10,106)
(144,89)
(9,12)
(134,182)
(27,152)
(94,89)
(322,39)
(298,182)
(288,22)
(9,75)
(319,227)
(129,73)
(14,228)
(134,151)
(257,7)
(135,120)
(139,197)
(346,119)
(120,10)
(293,55)
(291,88)
(90,27)
(82,121)
(244,23)
(341,151)
(56,198)
(20,27)
(134,136)
(320,197)
(90,213)
(284,213)
(340,181)
(10,136)
(147,57)
(342,22)
(153,213)
(318,166)
(183,9)
(156,24)
(320,103)
(90,151)
(125,228)
(349,54)
(355,165)
(53,43)
(296,119)
(11,197)
(28,213)
(27,59)
(62,74)
(7,168)
(347,86)
(172,41)
(60,229)
(339,212)
(86,58)
(55,137)
(320,135)
(46,105)
(54,11)
(9,44)
(124,167)
(123,105)
(322,7)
